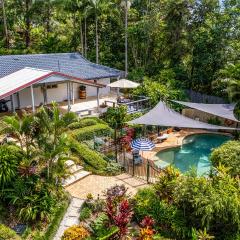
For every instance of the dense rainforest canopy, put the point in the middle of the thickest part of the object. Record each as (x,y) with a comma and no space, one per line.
(181,43)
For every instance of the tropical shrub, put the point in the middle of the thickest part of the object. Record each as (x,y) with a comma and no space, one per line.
(82,123)
(157,91)
(118,209)
(146,230)
(33,199)
(168,218)
(227,155)
(113,168)
(100,226)
(10,157)
(69,118)
(7,234)
(88,133)
(212,203)
(214,121)
(75,233)
(85,213)
(92,159)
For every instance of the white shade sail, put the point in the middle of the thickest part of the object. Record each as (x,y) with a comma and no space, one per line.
(161,115)
(220,110)
(123,83)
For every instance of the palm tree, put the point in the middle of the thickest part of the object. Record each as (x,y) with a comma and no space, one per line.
(22,130)
(5,24)
(52,141)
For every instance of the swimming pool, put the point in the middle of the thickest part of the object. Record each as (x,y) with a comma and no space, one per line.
(194,153)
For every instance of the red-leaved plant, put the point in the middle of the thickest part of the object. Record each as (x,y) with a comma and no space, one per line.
(118,209)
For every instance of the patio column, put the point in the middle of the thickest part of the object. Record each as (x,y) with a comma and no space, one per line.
(68,96)
(12,103)
(98,101)
(33,102)
(72,88)
(45,99)
(18,101)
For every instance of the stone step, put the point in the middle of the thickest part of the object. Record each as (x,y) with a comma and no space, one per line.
(75,168)
(75,177)
(69,163)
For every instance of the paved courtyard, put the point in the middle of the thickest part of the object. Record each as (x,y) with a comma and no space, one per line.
(96,185)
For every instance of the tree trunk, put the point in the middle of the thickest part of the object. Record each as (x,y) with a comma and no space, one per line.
(85,36)
(5,25)
(126,38)
(81,36)
(48,18)
(27,23)
(96,28)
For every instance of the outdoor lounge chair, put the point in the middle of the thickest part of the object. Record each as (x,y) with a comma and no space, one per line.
(163,137)
(136,157)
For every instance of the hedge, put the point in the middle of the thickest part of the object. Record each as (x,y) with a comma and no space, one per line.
(7,233)
(88,133)
(83,123)
(228,155)
(94,162)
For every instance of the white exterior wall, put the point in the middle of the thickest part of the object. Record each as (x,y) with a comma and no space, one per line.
(58,94)
(92,91)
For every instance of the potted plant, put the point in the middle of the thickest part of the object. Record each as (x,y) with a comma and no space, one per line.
(82,92)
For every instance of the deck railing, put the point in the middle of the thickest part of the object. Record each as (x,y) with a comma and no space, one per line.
(137,105)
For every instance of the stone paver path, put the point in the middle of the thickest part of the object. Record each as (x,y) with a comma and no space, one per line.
(71,217)
(96,185)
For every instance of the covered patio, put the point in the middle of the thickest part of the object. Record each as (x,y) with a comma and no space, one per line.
(35,83)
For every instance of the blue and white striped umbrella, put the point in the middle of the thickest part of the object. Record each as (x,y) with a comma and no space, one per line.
(142,144)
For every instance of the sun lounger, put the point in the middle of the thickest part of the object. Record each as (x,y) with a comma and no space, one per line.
(163,137)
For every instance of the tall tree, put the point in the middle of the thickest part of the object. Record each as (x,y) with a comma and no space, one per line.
(5,24)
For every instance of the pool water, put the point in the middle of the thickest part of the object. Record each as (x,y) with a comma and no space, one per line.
(193,154)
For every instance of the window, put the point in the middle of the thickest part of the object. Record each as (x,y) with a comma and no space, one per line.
(50,86)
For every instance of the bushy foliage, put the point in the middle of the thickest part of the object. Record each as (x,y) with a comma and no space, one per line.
(69,118)
(7,233)
(88,133)
(85,213)
(113,168)
(92,160)
(10,157)
(212,204)
(118,209)
(32,199)
(75,233)
(168,218)
(179,204)
(157,91)
(83,123)
(227,155)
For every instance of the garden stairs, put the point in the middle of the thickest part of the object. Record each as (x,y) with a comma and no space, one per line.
(76,173)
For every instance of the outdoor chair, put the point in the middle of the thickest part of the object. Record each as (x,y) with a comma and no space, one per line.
(137,158)
(162,137)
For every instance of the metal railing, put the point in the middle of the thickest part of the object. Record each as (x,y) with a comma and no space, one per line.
(137,105)
(146,170)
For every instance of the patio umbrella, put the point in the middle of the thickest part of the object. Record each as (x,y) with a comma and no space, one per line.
(142,144)
(123,83)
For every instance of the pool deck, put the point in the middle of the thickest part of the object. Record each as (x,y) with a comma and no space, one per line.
(175,139)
